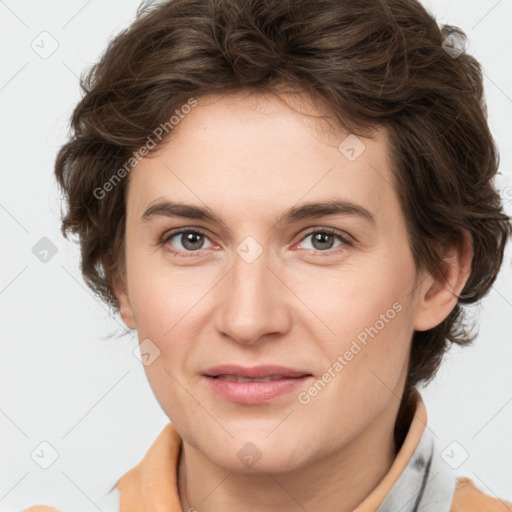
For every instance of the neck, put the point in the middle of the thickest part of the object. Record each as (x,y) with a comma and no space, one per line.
(336,482)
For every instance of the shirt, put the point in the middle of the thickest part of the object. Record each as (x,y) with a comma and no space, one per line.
(418,480)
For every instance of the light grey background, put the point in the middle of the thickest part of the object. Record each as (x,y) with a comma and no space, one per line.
(64,381)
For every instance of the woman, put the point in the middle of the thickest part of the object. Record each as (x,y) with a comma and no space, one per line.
(291,203)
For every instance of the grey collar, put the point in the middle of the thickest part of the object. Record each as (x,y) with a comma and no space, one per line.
(425,484)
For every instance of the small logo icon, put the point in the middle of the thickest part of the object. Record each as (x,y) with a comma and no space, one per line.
(455,455)
(45,45)
(249,455)
(146,352)
(44,455)
(249,249)
(352,148)
(454,45)
(44,250)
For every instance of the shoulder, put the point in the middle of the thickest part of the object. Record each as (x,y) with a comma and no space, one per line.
(40,508)
(468,498)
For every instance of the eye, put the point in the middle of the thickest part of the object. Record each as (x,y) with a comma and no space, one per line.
(324,240)
(190,241)
(186,241)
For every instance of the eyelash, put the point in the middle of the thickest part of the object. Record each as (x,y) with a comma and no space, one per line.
(345,241)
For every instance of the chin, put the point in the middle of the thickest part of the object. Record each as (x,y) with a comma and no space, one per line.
(260,454)
(259,464)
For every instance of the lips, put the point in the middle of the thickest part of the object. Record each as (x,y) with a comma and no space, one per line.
(255,385)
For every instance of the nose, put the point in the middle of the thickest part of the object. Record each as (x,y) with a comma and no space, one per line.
(253,302)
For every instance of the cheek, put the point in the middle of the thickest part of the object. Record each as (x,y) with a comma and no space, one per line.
(366,361)
(366,328)
(162,296)
(357,301)
(165,307)
(170,309)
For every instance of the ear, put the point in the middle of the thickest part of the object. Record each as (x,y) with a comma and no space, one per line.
(125,309)
(438,296)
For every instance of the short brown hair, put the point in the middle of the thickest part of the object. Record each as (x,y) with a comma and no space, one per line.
(373,62)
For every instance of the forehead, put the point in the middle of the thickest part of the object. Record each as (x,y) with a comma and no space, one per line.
(263,154)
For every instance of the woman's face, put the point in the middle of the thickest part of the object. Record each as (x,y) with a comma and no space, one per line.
(257,279)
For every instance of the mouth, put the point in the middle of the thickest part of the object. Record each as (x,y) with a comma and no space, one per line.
(273,372)
(254,385)
(239,378)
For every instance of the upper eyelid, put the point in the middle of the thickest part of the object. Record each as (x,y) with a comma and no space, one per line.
(180,231)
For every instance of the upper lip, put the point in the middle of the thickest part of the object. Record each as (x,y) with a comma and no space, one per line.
(254,372)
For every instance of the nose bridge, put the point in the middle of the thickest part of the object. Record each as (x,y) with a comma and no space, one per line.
(249,280)
(251,305)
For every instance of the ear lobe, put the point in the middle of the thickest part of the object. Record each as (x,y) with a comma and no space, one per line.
(125,308)
(438,296)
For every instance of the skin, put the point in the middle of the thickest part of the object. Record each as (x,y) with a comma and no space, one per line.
(249,158)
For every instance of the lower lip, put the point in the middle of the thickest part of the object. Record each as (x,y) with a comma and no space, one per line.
(254,392)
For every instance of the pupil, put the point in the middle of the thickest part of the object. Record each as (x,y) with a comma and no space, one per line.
(189,243)
(321,238)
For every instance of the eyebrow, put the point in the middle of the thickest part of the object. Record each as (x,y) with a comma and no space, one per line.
(294,214)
